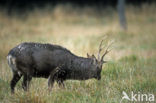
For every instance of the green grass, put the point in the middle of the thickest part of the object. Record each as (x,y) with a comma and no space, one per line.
(131,65)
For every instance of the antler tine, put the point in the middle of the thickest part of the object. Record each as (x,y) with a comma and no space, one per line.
(107,51)
(100,47)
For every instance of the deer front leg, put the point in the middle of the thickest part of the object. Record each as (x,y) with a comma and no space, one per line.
(52,78)
(50,82)
(60,83)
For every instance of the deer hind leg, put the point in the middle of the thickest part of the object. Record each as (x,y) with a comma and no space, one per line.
(15,79)
(16,73)
(26,82)
(52,78)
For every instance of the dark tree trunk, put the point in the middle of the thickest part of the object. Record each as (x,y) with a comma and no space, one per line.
(121,12)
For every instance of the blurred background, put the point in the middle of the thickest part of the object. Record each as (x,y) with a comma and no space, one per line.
(79,25)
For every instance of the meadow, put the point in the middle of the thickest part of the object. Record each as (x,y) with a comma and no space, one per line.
(132,62)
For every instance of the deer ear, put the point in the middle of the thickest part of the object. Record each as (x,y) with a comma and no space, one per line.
(88,56)
(93,56)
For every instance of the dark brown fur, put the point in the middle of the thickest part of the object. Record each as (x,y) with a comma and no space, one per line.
(50,61)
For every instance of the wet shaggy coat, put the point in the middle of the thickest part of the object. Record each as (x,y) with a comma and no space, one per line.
(40,60)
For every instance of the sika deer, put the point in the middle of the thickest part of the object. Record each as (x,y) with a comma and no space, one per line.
(53,62)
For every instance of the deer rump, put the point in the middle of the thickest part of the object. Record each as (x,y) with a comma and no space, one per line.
(37,60)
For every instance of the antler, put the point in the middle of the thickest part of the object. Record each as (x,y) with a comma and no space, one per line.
(107,50)
(101,48)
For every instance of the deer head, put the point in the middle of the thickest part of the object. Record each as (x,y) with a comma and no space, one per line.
(99,61)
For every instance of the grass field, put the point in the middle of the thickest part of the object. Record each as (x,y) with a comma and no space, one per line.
(132,65)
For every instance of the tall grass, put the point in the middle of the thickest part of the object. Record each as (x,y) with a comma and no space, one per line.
(131,65)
